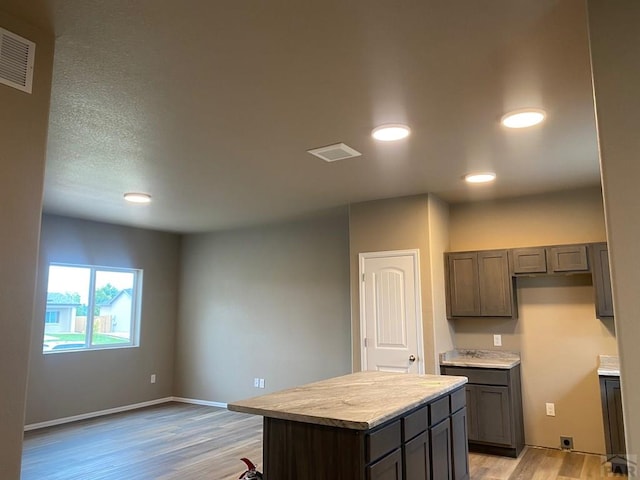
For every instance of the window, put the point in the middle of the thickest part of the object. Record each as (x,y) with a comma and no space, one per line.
(91,307)
(52,316)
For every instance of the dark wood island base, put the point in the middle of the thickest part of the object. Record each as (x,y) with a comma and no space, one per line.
(428,442)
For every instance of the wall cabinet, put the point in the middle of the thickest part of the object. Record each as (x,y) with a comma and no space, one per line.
(479,284)
(599,255)
(549,260)
(494,403)
(613,423)
(528,261)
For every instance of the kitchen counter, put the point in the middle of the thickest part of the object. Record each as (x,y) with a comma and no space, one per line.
(480,358)
(365,426)
(358,401)
(609,366)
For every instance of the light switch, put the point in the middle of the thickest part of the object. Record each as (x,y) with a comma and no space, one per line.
(497,340)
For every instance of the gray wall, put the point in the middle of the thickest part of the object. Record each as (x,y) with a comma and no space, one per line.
(23,133)
(73,383)
(269,302)
(615,40)
(419,222)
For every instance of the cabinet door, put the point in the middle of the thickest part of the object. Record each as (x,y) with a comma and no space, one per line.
(416,458)
(529,260)
(459,445)
(493,415)
(569,258)
(440,439)
(601,280)
(472,411)
(464,293)
(389,468)
(616,421)
(494,284)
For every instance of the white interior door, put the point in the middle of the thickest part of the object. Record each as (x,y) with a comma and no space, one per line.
(391,312)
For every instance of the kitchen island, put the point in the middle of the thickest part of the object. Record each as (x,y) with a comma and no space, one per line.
(366,425)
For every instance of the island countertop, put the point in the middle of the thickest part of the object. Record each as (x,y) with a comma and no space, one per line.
(358,401)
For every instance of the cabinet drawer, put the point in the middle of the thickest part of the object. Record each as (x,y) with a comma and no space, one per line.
(383,441)
(528,260)
(485,376)
(458,400)
(439,410)
(415,423)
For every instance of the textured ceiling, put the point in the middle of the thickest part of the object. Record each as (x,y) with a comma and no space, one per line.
(211,106)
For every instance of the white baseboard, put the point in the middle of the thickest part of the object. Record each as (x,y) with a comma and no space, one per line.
(195,401)
(84,416)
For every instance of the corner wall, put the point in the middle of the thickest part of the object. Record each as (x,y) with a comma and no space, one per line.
(73,383)
(23,136)
(557,332)
(417,222)
(270,302)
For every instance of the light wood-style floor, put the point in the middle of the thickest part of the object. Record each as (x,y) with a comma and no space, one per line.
(177,441)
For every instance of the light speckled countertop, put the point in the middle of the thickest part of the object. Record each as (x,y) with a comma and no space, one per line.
(480,358)
(358,401)
(609,366)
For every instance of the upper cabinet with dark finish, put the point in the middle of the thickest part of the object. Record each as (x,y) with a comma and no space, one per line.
(599,256)
(568,258)
(479,284)
(527,261)
(549,260)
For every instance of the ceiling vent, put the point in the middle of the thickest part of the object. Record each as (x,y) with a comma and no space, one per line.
(332,153)
(16,60)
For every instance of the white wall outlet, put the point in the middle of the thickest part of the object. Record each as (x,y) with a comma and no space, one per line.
(256,382)
(262,383)
(551,409)
(497,340)
(153,378)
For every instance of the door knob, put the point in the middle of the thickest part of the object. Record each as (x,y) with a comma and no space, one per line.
(412,358)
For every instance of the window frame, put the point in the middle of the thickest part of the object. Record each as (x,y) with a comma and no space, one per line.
(136,308)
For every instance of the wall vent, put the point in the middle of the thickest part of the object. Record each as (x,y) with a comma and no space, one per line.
(17,55)
(332,153)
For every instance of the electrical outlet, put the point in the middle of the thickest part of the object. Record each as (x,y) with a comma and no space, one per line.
(497,340)
(551,409)
(566,443)
(256,382)
(262,383)
(153,378)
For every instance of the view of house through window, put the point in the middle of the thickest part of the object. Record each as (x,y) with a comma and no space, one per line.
(91,307)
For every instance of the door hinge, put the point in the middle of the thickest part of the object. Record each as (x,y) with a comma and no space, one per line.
(363,277)
(365,343)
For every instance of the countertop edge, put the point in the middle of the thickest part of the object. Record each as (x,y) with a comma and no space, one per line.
(473,364)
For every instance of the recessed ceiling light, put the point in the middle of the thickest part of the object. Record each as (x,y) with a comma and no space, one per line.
(134,197)
(390,132)
(483,177)
(523,118)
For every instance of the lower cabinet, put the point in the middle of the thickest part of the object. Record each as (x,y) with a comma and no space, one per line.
(440,437)
(613,423)
(494,409)
(428,442)
(459,445)
(389,468)
(416,458)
